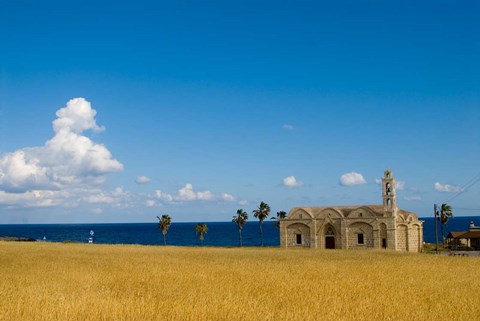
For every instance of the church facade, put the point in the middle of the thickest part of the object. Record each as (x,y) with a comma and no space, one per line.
(354,227)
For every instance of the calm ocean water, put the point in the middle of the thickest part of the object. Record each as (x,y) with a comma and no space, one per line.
(182,234)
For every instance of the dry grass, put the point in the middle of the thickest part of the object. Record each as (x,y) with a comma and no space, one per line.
(44,281)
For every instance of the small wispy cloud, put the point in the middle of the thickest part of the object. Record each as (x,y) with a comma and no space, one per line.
(142,180)
(227,197)
(150,203)
(188,194)
(400,185)
(446,188)
(288,127)
(165,197)
(291,182)
(351,179)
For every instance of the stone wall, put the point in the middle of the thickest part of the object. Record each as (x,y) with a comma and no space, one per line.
(415,239)
(298,228)
(402,238)
(360,228)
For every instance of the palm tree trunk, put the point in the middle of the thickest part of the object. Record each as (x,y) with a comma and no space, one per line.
(164,240)
(442,227)
(240,232)
(261,234)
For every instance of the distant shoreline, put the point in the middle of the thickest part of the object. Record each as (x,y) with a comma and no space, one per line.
(193,222)
(180,233)
(16,239)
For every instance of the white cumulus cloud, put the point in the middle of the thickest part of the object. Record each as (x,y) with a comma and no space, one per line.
(34,198)
(66,170)
(68,197)
(447,188)
(69,158)
(352,178)
(142,180)
(77,117)
(291,181)
(188,194)
(99,198)
(165,197)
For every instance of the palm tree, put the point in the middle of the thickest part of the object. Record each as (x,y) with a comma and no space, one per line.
(280,215)
(241,218)
(201,229)
(164,224)
(445,215)
(261,213)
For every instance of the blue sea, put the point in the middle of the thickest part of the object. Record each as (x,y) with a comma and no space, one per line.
(181,234)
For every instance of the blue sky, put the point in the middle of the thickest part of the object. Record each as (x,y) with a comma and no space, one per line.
(197,108)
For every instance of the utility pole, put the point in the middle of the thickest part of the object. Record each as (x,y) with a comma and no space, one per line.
(435,213)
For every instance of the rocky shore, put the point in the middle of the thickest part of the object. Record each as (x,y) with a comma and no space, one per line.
(16,239)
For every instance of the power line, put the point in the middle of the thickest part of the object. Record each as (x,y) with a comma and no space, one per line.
(475,179)
(467,209)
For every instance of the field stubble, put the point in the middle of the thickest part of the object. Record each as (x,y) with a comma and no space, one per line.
(47,281)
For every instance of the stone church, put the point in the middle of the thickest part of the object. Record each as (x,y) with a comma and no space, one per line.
(354,227)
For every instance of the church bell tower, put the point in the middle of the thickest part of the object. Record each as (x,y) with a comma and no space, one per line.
(388,194)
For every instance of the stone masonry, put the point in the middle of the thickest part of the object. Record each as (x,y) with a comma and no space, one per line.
(354,227)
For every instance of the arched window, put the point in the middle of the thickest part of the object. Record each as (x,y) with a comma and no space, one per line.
(330,231)
(387,188)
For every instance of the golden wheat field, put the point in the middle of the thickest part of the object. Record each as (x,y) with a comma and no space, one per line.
(54,281)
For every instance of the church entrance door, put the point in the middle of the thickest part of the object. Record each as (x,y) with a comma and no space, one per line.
(330,242)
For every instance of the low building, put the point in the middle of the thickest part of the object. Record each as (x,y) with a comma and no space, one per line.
(354,227)
(466,239)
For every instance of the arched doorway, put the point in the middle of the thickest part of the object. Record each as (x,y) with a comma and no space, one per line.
(330,238)
(383,235)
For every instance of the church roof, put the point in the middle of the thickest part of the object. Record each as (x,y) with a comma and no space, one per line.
(406,214)
(346,210)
